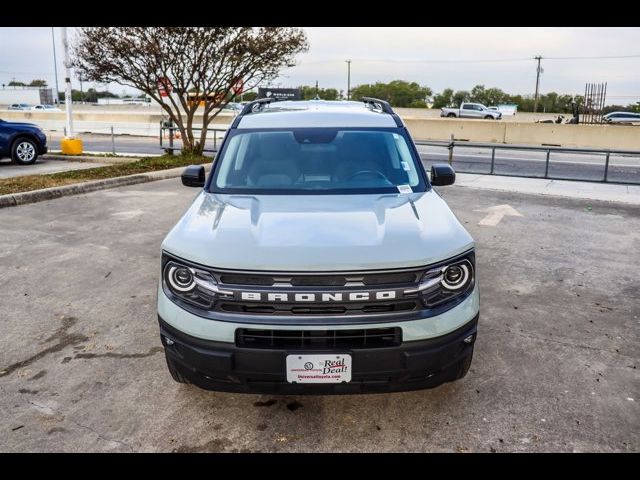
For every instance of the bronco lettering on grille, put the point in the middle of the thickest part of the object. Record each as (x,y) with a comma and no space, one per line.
(320,297)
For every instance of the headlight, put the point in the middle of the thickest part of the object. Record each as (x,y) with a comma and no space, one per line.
(192,284)
(447,282)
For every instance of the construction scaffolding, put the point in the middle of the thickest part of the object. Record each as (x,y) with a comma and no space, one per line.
(594,97)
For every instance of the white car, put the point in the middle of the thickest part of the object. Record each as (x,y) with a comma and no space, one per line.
(19,106)
(46,108)
(318,258)
(622,117)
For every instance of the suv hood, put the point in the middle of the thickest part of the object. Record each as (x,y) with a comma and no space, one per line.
(317,232)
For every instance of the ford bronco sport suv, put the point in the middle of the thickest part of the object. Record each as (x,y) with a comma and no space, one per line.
(318,259)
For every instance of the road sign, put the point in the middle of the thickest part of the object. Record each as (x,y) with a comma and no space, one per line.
(238,87)
(164,87)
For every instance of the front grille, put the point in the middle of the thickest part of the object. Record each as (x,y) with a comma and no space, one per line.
(405,305)
(321,280)
(318,339)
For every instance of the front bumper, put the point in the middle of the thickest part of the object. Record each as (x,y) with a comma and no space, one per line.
(222,366)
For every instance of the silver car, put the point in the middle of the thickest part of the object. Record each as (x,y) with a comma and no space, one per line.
(622,117)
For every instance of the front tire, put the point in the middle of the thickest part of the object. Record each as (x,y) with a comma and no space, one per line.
(24,151)
(452,115)
(489,117)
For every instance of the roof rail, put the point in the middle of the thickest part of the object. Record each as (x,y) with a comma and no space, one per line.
(377,103)
(251,107)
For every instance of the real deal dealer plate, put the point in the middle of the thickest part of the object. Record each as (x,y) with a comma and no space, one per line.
(318,368)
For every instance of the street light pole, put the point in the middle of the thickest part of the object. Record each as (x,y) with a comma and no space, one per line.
(56,99)
(67,80)
(348,79)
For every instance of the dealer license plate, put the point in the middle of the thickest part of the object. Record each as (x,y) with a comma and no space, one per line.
(318,368)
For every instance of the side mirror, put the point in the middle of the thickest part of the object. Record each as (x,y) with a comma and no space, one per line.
(193,176)
(442,174)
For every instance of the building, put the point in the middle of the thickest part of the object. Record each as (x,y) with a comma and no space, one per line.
(28,95)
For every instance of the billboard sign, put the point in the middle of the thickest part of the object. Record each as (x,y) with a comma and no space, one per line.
(280,93)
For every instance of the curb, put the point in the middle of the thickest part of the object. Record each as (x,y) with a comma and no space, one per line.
(15,199)
(91,159)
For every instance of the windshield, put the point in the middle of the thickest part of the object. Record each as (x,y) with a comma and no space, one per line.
(317,161)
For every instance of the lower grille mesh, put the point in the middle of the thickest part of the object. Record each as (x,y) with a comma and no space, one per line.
(318,339)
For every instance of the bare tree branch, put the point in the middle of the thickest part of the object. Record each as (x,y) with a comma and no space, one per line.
(205,61)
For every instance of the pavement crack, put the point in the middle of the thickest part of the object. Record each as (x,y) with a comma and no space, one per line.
(64,339)
(561,342)
(101,436)
(150,352)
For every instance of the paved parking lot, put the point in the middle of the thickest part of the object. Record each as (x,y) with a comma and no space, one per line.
(555,368)
(42,165)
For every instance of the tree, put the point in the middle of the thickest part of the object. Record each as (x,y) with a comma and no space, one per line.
(309,93)
(211,60)
(460,96)
(14,83)
(38,83)
(398,93)
(248,96)
(444,99)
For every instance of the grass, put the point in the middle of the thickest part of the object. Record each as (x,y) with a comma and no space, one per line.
(149,164)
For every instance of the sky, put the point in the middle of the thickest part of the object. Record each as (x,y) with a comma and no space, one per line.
(437,57)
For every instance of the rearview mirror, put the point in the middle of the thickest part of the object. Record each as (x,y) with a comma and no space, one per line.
(193,176)
(442,174)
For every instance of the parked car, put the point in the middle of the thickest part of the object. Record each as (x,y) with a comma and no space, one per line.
(622,117)
(23,142)
(471,110)
(46,108)
(19,106)
(318,258)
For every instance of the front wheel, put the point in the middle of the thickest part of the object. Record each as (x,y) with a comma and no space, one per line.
(452,115)
(24,151)
(489,117)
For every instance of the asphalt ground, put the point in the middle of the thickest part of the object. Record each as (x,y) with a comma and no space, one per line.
(43,165)
(555,365)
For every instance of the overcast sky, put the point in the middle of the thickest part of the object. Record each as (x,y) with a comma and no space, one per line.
(436,57)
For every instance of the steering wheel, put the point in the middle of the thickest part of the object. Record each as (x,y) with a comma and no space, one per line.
(375,173)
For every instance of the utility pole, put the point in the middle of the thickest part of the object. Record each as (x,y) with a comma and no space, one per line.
(56,99)
(317,95)
(67,81)
(348,79)
(538,71)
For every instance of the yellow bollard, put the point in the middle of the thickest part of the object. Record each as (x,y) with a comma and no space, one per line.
(71,146)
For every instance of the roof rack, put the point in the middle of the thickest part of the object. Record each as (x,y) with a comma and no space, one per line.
(251,107)
(377,103)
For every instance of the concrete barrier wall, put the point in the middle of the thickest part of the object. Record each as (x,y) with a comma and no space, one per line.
(621,137)
(147,123)
(124,123)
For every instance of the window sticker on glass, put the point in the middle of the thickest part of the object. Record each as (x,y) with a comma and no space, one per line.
(404,189)
(405,166)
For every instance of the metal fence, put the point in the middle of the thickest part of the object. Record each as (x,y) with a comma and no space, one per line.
(585,164)
(172,134)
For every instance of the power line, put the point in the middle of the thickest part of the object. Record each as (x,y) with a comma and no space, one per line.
(493,60)
(592,58)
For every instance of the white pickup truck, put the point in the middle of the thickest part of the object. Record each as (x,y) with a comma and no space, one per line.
(471,110)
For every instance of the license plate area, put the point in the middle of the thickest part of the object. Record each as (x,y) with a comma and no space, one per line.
(319,368)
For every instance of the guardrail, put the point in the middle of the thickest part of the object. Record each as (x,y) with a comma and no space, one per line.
(548,150)
(174,134)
